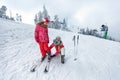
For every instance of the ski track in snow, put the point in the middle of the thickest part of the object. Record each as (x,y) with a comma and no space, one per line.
(97,59)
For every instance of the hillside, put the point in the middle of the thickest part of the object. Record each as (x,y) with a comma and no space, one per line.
(97,59)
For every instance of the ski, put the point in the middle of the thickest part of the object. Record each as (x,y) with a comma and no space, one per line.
(47,67)
(34,67)
(62,59)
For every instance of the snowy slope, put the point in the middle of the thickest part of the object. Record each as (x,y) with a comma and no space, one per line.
(97,59)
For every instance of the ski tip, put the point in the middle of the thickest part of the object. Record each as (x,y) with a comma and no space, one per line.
(75,59)
(45,71)
(33,70)
(62,62)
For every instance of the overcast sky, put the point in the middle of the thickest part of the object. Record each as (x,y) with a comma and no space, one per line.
(83,13)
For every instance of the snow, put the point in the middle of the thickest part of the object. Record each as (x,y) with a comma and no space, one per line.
(97,59)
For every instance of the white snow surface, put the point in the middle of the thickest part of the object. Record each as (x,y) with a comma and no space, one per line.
(97,59)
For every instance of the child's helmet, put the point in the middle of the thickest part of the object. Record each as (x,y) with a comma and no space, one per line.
(58,38)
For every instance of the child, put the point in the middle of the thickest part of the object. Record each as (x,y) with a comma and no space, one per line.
(57,43)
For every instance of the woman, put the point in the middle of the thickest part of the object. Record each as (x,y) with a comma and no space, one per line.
(42,38)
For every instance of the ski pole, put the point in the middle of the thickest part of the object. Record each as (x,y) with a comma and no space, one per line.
(77,47)
(77,39)
(74,39)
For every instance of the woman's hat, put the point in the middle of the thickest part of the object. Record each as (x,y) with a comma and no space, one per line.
(46,20)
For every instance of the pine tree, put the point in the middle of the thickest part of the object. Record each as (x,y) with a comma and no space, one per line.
(45,13)
(57,24)
(87,31)
(40,16)
(20,18)
(17,17)
(35,20)
(3,10)
(64,24)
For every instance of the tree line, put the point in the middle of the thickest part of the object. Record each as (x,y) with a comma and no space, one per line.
(3,14)
(55,23)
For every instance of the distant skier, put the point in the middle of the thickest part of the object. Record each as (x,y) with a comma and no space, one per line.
(42,38)
(58,44)
(105,29)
